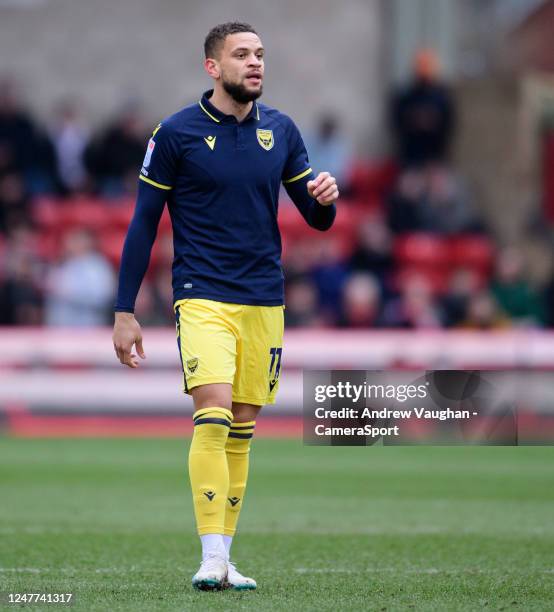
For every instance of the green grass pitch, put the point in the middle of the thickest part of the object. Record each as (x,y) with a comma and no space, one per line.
(322,529)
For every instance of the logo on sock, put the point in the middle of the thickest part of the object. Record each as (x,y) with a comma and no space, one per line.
(210,495)
(233,500)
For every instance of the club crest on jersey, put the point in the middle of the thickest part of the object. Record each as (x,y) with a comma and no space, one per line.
(265,139)
(192,364)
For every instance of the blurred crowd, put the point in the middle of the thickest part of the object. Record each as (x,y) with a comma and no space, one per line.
(409,250)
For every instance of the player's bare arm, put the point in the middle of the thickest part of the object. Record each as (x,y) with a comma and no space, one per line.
(324,188)
(126,334)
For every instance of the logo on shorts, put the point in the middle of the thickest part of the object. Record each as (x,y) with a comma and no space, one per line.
(192,365)
(233,500)
(265,139)
(210,495)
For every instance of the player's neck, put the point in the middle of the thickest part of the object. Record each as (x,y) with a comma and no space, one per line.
(224,103)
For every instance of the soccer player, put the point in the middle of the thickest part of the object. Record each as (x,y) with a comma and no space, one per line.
(219,164)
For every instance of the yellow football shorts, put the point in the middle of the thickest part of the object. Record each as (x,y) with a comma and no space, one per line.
(231,343)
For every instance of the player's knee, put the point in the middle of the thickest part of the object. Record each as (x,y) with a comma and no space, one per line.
(211,429)
(216,394)
(244,412)
(237,445)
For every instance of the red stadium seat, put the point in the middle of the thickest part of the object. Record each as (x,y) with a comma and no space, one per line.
(110,244)
(290,220)
(89,214)
(45,213)
(473,251)
(120,217)
(292,223)
(422,250)
(49,245)
(162,251)
(165,222)
(341,240)
(368,179)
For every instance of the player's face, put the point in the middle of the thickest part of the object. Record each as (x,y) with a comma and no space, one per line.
(241,66)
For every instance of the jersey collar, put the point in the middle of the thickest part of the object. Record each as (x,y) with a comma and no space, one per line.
(216,115)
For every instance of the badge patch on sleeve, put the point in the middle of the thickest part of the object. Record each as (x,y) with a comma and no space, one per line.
(149,151)
(265,139)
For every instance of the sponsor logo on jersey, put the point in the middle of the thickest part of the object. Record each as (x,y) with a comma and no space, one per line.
(149,151)
(210,141)
(265,139)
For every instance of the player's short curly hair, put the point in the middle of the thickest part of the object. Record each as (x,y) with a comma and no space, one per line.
(216,36)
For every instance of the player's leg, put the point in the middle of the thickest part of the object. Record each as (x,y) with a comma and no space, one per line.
(237,448)
(209,479)
(238,455)
(259,353)
(208,348)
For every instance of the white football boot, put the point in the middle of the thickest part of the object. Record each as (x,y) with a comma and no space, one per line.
(212,573)
(238,582)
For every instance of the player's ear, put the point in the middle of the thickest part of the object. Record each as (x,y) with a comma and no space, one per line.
(211,66)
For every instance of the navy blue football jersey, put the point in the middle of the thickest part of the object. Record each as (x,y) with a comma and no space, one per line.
(222,179)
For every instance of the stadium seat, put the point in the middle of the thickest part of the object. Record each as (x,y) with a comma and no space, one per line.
(422,250)
(165,222)
(45,212)
(472,250)
(120,217)
(49,245)
(90,214)
(368,179)
(110,244)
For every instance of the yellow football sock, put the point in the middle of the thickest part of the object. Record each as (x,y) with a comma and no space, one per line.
(208,471)
(238,453)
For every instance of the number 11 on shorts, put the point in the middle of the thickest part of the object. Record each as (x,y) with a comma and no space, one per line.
(275,354)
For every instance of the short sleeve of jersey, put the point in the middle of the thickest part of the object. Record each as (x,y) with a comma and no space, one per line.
(160,161)
(297,165)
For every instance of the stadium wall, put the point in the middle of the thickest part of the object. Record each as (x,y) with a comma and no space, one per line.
(321,55)
(61,371)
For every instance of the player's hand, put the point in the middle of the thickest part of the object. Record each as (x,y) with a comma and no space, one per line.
(324,188)
(126,333)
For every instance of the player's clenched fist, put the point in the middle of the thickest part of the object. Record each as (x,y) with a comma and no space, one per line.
(323,188)
(126,333)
